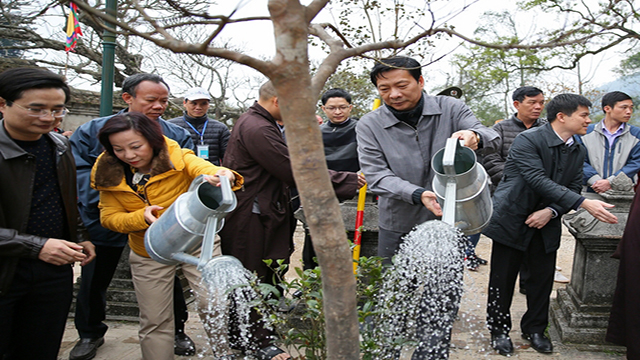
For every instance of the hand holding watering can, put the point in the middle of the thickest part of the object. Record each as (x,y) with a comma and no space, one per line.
(467,138)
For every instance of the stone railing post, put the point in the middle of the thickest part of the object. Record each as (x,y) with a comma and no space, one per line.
(581,310)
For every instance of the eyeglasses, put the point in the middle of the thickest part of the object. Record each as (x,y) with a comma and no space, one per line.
(342,108)
(56,113)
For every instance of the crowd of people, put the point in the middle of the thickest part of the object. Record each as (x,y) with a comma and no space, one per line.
(83,199)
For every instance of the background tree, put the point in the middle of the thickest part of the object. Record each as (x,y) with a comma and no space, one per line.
(10,16)
(488,76)
(600,27)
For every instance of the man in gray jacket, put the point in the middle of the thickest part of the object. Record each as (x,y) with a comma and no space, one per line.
(613,147)
(395,145)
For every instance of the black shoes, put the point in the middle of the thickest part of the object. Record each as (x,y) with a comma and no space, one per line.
(539,342)
(523,291)
(183,345)
(502,344)
(473,261)
(85,349)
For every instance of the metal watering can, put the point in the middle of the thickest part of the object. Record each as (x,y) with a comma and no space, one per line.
(193,219)
(461,186)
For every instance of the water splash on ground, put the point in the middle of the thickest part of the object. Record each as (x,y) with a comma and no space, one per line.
(421,294)
(227,283)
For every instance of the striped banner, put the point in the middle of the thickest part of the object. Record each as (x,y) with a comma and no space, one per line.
(73,28)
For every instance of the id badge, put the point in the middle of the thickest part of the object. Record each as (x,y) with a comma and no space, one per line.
(203,151)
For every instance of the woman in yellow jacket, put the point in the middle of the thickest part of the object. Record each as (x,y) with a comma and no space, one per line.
(140,173)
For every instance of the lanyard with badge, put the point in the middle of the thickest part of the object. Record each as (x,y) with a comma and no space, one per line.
(203,150)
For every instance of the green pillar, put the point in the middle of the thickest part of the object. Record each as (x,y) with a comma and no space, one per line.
(108,55)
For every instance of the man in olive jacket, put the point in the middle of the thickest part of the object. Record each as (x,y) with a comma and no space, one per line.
(542,181)
(40,232)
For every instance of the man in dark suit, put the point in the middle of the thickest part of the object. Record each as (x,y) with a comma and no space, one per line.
(541,182)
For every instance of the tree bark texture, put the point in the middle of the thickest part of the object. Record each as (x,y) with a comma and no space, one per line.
(297,102)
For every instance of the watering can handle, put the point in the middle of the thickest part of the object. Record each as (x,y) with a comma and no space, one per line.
(448,163)
(449,156)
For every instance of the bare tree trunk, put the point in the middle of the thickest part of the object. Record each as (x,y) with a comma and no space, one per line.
(297,101)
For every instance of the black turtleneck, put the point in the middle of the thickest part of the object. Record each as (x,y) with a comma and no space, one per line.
(410,117)
(195,121)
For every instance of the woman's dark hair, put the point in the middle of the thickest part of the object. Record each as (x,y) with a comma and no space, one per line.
(138,122)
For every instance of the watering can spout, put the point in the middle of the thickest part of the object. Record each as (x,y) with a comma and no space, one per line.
(461,186)
(190,222)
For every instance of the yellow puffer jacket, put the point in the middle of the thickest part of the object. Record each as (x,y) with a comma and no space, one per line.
(172,171)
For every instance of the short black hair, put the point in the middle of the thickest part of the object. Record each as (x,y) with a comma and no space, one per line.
(566,104)
(611,98)
(14,82)
(395,63)
(525,91)
(130,84)
(335,93)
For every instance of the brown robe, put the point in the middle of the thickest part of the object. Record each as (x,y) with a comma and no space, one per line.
(258,151)
(624,321)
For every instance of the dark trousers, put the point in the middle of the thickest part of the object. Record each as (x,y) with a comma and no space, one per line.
(388,244)
(34,311)
(308,252)
(91,301)
(260,335)
(505,265)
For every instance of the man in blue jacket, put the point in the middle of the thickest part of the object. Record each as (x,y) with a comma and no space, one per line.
(613,145)
(148,94)
(541,181)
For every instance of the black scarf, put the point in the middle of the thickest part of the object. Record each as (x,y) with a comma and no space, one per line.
(410,117)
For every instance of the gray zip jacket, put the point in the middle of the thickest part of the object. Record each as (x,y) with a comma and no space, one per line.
(396,157)
(605,162)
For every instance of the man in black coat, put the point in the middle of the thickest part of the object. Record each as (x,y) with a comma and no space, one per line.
(210,137)
(541,182)
(41,235)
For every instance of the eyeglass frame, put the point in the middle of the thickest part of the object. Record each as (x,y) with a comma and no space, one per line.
(341,107)
(44,112)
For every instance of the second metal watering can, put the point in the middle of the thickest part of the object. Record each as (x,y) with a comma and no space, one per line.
(462,188)
(193,219)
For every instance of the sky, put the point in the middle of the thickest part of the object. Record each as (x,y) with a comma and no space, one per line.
(596,70)
(257,39)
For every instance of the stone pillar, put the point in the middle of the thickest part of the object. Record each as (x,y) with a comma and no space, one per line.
(581,311)
(349,209)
